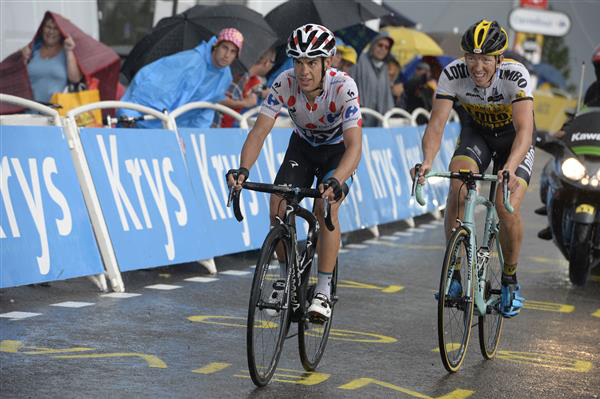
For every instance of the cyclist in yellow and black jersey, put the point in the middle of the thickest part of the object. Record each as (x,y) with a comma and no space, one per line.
(497,95)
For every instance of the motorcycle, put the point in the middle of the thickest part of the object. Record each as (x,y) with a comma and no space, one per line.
(570,191)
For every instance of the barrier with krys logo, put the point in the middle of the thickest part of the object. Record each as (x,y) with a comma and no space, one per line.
(157,196)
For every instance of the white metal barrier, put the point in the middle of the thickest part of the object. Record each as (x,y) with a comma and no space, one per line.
(18,119)
(389,119)
(203,104)
(250,117)
(419,111)
(372,112)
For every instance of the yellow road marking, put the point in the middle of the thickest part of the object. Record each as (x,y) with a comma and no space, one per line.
(451,347)
(596,313)
(152,360)
(550,261)
(354,284)
(549,306)
(10,346)
(595,278)
(206,319)
(212,368)
(362,382)
(295,377)
(545,360)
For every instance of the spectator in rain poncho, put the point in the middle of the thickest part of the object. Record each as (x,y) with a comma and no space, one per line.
(372,78)
(200,74)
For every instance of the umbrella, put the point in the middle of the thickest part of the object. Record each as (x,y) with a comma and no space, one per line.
(549,73)
(335,14)
(185,31)
(410,42)
(449,42)
(395,18)
(513,55)
(357,36)
(436,62)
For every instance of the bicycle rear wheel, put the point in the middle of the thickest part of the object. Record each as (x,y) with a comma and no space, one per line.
(313,335)
(455,313)
(269,307)
(490,325)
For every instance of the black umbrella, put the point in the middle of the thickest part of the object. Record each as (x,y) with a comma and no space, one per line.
(513,55)
(333,14)
(395,18)
(185,31)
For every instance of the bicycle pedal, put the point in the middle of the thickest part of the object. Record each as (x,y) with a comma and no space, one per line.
(317,319)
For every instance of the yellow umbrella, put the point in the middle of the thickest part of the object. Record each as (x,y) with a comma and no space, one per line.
(410,42)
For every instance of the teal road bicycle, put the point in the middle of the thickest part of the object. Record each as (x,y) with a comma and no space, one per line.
(479,262)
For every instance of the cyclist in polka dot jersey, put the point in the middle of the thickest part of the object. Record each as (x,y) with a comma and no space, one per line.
(326,142)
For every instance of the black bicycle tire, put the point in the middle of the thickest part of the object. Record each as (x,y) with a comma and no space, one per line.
(310,363)
(450,365)
(489,351)
(277,233)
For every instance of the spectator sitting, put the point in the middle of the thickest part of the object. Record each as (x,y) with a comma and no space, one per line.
(372,78)
(344,58)
(200,74)
(396,86)
(248,91)
(419,90)
(50,61)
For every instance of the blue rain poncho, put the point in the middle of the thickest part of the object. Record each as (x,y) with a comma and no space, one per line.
(178,79)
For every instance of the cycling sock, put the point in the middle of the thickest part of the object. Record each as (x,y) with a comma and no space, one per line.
(324,284)
(509,274)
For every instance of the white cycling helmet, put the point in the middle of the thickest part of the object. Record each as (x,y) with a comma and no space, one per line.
(311,41)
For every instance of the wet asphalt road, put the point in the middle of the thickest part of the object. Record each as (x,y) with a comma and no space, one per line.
(187,340)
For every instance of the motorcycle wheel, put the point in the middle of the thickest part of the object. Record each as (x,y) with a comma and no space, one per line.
(579,254)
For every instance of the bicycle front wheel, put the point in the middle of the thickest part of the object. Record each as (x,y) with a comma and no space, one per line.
(269,307)
(455,307)
(312,334)
(490,324)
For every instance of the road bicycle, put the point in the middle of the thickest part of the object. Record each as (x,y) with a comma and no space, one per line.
(283,286)
(481,265)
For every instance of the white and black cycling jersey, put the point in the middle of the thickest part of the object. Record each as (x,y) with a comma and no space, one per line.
(322,123)
(490,108)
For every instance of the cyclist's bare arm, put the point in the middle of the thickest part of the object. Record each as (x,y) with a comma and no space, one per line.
(350,159)
(522,112)
(434,132)
(253,144)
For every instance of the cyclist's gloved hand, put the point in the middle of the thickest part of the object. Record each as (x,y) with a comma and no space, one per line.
(335,186)
(235,177)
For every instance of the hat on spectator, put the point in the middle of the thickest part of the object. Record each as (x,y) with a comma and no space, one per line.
(348,53)
(231,35)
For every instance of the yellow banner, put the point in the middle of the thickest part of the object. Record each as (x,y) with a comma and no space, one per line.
(550,110)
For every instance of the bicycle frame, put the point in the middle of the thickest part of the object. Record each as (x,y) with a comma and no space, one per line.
(472,200)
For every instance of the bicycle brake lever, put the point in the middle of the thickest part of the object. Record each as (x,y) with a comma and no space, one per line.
(328,221)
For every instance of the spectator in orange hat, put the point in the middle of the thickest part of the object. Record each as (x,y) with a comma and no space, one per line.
(199,74)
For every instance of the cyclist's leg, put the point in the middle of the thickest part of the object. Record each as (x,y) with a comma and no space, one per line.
(511,237)
(472,153)
(296,170)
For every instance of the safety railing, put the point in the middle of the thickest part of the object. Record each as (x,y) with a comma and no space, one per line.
(23,102)
(202,104)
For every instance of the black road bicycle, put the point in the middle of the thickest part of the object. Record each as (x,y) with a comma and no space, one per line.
(283,286)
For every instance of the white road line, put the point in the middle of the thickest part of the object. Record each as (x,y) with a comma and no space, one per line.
(357,246)
(72,304)
(120,295)
(374,242)
(416,230)
(234,273)
(389,238)
(165,287)
(403,233)
(201,279)
(428,226)
(19,315)
(343,251)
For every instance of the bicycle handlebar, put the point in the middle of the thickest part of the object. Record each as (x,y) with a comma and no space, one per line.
(417,189)
(234,195)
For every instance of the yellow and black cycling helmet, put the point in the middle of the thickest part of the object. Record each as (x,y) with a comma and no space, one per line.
(485,37)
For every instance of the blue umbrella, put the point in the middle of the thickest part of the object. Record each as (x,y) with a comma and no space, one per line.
(549,73)
(357,36)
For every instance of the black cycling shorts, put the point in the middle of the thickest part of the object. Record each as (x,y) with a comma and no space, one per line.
(303,162)
(479,147)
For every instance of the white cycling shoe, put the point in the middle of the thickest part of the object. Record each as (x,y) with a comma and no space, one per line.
(320,308)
